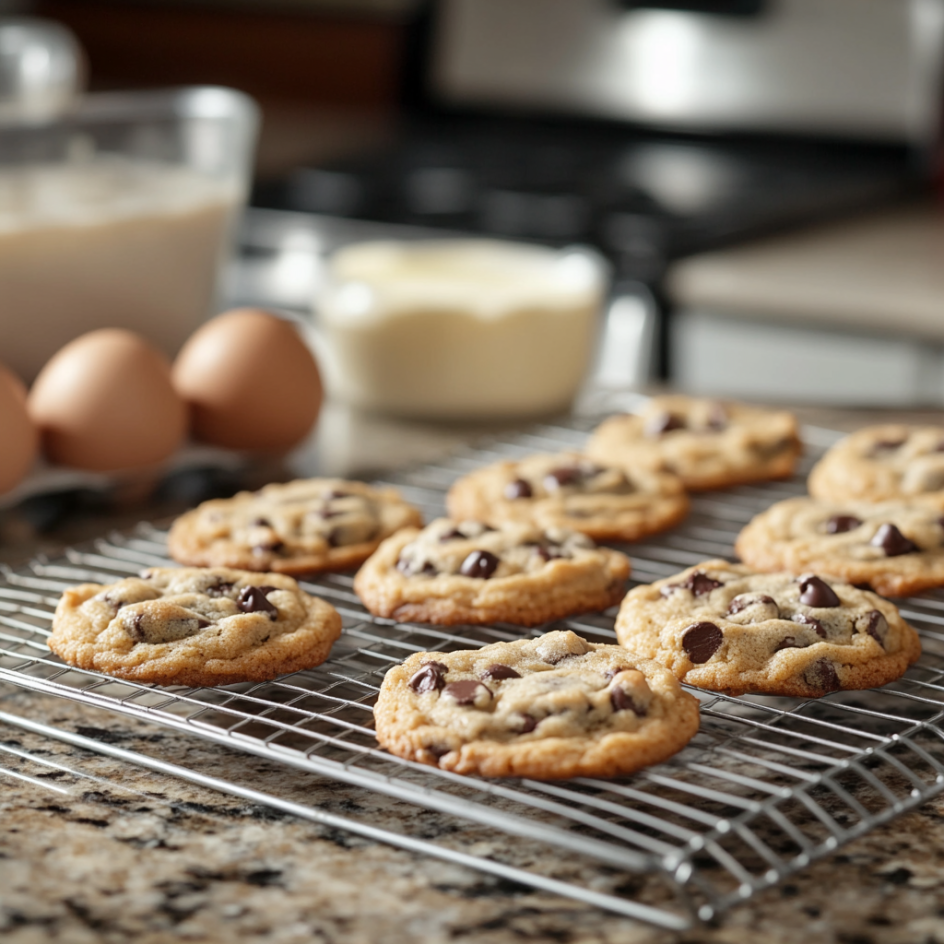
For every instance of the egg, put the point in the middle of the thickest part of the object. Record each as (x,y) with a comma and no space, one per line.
(19,436)
(105,402)
(250,381)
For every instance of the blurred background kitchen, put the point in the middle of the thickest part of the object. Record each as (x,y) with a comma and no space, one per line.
(741,193)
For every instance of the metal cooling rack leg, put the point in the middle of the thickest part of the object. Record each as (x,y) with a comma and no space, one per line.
(629,909)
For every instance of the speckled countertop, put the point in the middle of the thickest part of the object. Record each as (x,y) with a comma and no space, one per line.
(108,851)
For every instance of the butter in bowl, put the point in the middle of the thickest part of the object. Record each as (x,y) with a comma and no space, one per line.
(468,329)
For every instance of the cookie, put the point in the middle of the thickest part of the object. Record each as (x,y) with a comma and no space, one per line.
(569,491)
(897,548)
(190,626)
(301,527)
(883,463)
(552,707)
(467,572)
(707,443)
(727,628)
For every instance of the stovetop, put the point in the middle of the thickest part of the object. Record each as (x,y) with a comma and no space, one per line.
(641,197)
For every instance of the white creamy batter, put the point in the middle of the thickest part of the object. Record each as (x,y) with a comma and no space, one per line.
(460,328)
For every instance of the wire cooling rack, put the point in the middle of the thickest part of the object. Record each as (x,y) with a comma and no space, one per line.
(766,787)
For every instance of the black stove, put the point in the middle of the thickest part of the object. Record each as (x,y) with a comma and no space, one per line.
(643,198)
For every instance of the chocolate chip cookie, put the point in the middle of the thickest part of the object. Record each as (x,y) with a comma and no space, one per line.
(301,527)
(468,572)
(897,548)
(709,444)
(190,626)
(606,503)
(727,628)
(552,707)
(883,463)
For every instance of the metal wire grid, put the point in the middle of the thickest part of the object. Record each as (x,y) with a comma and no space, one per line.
(766,787)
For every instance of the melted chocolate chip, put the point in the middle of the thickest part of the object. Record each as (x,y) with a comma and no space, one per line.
(839,524)
(499,671)
(743,601)
(269,547)
(253,600)
(220,588)
(664,423)
(822,675)
(452,534)
(877,627)
(326,513)
(465,692)
(698,582)
(893,542)
(805,620)
(621,700)
(438,750)
(528,723)
(701,641)
(480,564)
(262,522)
(818,593)
(562,477)
(611,674)
(519,488)
(429,678)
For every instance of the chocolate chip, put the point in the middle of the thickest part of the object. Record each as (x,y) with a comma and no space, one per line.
(822,675)
(479,564)
(253,600)
(818,593)
(429,678)
(166,627)
(877,627)
(519,488)
(562,477)
(326,513)
(664,423)
(745,600)
(465,692)
(611,674)
(452,534)
(268,547)
(939,447)
(818,627)
(698,582)
(547,553)
(621,700)
(262,522)
(893,542)
(839,524)
(438,750)
(528,723)
(701,641)
(336,493)
(498,671)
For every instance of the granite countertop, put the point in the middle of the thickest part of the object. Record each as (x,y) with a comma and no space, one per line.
(144,856)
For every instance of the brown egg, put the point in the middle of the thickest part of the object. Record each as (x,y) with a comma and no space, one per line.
(19,436)
(251,382)
(105,402)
